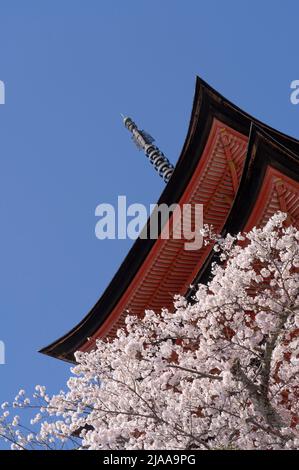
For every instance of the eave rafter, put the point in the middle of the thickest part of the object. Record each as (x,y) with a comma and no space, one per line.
(230,161)
(282,194)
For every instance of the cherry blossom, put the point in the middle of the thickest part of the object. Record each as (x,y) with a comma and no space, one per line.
(220,371)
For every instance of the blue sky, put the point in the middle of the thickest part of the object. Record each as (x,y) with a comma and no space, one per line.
(70,68)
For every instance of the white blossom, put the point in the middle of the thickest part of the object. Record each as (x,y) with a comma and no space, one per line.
(219,372)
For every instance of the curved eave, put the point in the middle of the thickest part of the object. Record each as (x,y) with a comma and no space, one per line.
(263,153)
(242,121)
(207,105)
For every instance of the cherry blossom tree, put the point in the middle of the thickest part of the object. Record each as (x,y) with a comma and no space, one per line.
(220,372)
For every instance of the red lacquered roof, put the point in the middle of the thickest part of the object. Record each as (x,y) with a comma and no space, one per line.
(240,184)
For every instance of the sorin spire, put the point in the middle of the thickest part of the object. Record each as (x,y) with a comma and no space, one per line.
(144,141)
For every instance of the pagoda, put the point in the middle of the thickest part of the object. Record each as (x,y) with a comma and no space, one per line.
(242,172)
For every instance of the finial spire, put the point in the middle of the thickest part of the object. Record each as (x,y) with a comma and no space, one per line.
(144,141)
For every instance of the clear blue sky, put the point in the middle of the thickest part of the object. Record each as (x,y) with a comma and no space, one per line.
(70,68)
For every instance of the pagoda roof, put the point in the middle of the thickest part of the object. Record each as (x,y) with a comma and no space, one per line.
(234,165)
